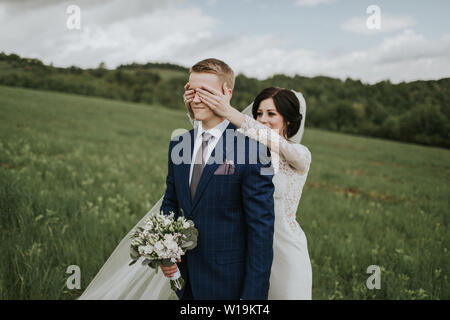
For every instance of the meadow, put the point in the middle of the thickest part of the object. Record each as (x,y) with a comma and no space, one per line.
(76,173)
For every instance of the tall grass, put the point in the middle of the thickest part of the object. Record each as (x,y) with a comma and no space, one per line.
(77,173)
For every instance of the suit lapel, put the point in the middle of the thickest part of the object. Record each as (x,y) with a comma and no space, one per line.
(187,168)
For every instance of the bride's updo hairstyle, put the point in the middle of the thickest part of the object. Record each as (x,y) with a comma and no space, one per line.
(287,106)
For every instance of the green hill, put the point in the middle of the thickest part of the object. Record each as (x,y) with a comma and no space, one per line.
(77,173)
(417,112)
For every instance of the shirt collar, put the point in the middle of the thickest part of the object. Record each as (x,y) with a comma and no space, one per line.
(217,131)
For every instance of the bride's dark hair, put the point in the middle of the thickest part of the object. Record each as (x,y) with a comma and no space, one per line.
(287,105)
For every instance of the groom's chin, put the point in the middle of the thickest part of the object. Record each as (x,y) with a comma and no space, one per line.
(201,115)
(198,117)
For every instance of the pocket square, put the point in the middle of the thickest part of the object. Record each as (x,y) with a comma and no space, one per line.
(226,168)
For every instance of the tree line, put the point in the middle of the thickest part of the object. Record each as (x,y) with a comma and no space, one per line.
(416,112)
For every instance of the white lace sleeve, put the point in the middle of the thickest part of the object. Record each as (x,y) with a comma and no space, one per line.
(297,156)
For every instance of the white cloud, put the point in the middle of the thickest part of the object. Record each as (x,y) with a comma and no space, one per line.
(312,3)
(110,32)
(170,33)
(405,57)
(389,23)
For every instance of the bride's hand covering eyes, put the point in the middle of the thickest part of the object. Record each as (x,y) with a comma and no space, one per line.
(188,97)
(217,101)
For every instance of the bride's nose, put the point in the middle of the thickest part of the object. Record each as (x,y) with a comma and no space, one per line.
(263,119)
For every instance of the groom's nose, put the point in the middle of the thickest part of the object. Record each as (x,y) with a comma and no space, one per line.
(196,98)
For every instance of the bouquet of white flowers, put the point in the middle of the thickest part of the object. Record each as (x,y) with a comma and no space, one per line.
(163,240)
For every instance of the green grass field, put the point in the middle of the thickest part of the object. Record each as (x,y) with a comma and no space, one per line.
(77,173)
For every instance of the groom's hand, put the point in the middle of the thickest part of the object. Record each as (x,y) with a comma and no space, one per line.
(169,271)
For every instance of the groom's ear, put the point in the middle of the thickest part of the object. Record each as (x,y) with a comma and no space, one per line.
(226,90)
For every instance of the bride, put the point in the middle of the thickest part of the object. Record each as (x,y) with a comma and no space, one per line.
(275,110)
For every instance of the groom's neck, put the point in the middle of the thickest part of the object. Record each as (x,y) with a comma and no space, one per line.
(211,123)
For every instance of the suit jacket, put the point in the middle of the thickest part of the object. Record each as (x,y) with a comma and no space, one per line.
(234,214)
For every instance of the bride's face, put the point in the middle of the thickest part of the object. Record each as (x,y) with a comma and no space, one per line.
(196,80)
(268,115)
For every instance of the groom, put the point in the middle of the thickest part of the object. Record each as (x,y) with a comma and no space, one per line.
(213,180)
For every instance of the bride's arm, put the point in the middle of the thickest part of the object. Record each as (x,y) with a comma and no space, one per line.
(297,156)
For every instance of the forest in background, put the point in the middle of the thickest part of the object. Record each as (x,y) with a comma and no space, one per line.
(415,112)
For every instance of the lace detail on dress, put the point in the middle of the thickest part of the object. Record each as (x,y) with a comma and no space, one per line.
(297,155)
(291,162)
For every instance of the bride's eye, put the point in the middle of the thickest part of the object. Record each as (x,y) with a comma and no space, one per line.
(259,114)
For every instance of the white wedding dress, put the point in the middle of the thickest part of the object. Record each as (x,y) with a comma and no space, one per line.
(291,274)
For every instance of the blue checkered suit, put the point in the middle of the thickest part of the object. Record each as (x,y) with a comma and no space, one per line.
(234,215)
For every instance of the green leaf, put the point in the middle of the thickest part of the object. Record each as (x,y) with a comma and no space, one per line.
(194,244)
(132,262)
(167,263)
(172,284)
(187,244)
(154,264)
(133,253)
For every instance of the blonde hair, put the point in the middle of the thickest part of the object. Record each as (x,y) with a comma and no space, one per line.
(217,67)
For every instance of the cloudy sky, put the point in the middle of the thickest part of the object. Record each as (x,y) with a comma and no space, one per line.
(256,37)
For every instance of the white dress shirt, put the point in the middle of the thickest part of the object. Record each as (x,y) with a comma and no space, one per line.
(216,133)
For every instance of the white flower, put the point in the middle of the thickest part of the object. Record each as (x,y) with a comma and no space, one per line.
(168,237)
(159,246)
(167,221)
(171,245)
(148,249)
(169,242)
(148,225)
